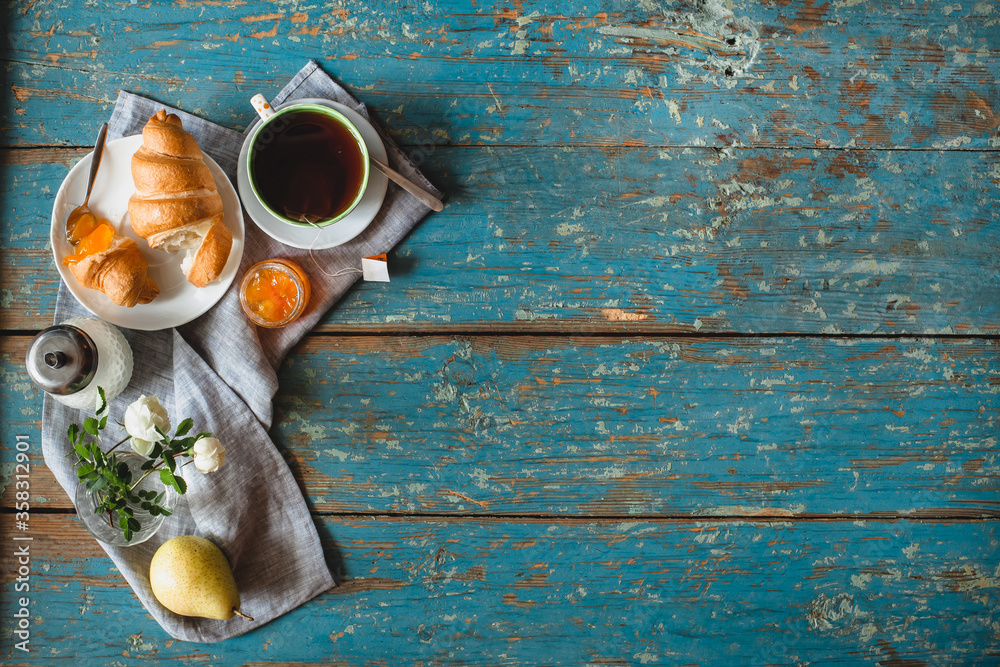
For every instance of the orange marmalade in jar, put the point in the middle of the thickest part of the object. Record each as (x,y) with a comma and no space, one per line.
(274,292)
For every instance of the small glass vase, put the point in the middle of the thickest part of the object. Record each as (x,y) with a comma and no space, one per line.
(107,530)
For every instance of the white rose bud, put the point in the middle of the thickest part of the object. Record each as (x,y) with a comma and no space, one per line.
(142,418)
(209,455)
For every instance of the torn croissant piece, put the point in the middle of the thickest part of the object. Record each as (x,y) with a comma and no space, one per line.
(114,265)
(176,205)
(204,264)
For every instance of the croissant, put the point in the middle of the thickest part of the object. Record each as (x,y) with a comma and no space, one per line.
(176,204)
(118,270)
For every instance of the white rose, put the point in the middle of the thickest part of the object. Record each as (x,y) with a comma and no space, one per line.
(209,455)
(142,418)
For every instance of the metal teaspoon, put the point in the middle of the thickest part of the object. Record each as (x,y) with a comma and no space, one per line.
(95,164)
(427,198)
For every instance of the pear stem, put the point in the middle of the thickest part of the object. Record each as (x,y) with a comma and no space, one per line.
(241,614)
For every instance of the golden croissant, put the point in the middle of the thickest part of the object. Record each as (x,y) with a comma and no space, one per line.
(176,204)
(114,265)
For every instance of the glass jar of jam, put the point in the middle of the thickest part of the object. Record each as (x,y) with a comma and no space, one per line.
(274,292)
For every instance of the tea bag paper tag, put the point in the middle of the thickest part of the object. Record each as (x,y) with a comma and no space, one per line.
(375,269)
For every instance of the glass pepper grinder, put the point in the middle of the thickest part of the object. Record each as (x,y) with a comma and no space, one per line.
(69,361)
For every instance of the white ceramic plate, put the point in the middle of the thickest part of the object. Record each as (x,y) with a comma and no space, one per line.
(339,232)
(179,301)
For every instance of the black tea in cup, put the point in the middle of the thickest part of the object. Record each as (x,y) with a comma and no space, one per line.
(307,166)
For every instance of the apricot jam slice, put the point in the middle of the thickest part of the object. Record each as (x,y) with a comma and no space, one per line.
(96,241)
(85,224)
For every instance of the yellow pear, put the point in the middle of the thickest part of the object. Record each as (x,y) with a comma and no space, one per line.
(190,576)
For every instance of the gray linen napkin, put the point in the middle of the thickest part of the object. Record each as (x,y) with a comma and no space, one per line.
(220,371)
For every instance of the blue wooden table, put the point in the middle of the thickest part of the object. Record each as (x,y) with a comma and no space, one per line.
(698,366)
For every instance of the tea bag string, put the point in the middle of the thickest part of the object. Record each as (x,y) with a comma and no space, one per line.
(319,230)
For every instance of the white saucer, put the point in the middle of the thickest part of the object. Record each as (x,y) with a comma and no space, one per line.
(340,232)
(179,301)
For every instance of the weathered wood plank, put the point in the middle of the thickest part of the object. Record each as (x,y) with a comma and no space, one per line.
(609,427)
(681,240)
(867,73)
(486,593)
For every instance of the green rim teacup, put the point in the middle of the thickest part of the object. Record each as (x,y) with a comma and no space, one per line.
(263,130)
